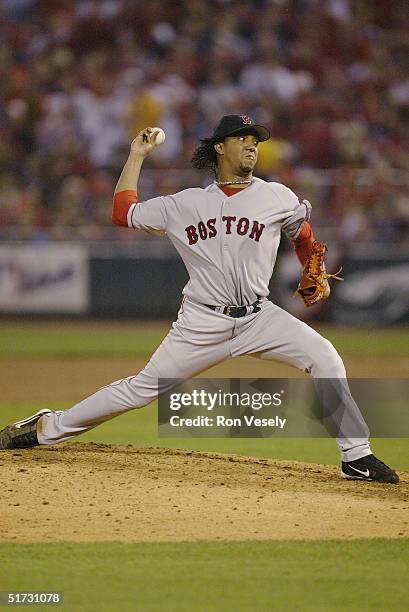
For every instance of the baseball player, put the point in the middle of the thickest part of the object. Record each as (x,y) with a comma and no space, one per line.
(227,235)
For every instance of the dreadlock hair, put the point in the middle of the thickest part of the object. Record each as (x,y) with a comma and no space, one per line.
(205,156)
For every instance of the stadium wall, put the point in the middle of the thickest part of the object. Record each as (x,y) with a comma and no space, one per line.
(145,280)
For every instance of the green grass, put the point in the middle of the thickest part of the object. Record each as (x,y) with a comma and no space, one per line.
(139,427)
(125,339)
(215,576)
(391,342)
(56,341)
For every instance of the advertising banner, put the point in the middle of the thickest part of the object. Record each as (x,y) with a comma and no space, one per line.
(44,279)
(374,293)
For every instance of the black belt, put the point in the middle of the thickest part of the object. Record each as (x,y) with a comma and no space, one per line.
(237,311)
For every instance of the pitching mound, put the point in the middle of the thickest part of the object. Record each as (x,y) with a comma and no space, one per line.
(96,492)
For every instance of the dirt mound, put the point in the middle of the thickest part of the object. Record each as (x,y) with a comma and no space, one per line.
(97,492)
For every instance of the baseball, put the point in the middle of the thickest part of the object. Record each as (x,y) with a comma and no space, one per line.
(160,136)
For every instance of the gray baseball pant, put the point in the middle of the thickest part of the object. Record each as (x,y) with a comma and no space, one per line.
(199,339)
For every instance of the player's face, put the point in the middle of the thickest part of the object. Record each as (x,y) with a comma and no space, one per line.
(240,153)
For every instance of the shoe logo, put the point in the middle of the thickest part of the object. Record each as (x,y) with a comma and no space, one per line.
(366,473)
(20,424)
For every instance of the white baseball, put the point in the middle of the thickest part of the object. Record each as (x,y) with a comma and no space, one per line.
(160,136)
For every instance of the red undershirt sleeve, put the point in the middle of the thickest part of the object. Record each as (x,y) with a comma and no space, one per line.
(303,243)
(121,203)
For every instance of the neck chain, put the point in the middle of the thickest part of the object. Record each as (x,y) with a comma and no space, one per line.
(222,183)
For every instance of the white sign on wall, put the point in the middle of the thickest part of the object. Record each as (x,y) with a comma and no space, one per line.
(44,279)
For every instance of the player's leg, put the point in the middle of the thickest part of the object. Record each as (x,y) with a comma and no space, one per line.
(184,352)
(275,334)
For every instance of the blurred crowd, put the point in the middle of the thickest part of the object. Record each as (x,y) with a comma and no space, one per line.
(81,78)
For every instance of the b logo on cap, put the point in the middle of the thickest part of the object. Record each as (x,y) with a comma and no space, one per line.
(246,119)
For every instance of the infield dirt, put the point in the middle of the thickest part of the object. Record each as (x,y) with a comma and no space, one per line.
(50,379)
(95,492)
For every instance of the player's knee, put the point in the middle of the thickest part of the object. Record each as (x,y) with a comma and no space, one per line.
(327,362)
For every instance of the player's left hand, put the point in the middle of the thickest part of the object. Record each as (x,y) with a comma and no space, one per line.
(314,286)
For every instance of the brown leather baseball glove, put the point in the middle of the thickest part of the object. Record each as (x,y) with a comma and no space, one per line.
(314,286)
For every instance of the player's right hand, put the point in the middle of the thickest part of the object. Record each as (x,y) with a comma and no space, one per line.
(144,143)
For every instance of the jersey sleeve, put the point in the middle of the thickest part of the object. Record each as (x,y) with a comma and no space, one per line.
(151,215)
(298,212)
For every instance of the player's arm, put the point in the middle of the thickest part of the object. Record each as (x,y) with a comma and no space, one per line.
(297,214)
(126,190)
(313,286)
(297,225)
(303,242)
(299,230)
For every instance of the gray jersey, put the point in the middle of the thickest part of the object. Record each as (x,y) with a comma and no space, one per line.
(228,243)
